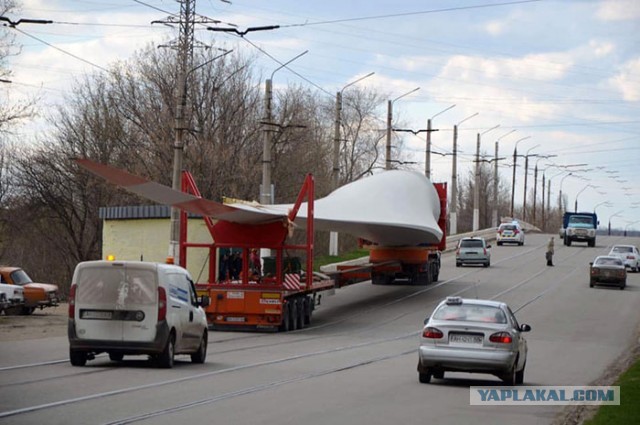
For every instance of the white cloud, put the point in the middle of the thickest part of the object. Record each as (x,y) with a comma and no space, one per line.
(601,48)
(626,81)
(619,10)
(495,28)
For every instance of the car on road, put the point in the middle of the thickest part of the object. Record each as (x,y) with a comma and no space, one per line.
(473,250)
(36,295)
(510,233)
(628,254)
(476,336)
(609,270)
(135,308)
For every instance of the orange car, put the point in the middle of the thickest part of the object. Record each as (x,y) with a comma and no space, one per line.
(35,294)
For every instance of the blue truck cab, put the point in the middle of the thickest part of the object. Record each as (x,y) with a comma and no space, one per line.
(580,227)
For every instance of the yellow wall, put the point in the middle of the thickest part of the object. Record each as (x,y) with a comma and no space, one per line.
(148,240)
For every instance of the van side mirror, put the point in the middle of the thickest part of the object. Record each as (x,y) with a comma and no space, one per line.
(525,328)
(488,245)
(204,301)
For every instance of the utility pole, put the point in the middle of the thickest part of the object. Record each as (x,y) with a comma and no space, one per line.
(453,214)
(184,46)
(389,122)
(335,172)
(265,187)
(494,220)
(427,159)
(476,185)
(476,188)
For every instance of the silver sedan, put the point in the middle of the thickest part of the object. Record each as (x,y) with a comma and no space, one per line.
(477,336)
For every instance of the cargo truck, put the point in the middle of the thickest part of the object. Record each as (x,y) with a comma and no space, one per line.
(580,227)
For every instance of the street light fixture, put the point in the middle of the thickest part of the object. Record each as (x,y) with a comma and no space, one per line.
(333,236)
(614,215)
(389,119)
(453,215)
(605,203)
(560,194)
(513,179)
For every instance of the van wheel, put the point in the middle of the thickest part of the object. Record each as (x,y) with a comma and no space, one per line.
(165,359)
(116,357)
(200,355)
(77,358)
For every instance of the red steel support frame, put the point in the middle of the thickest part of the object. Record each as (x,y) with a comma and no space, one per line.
(270,235)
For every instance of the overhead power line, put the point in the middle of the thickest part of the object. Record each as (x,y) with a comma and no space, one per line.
(397,15)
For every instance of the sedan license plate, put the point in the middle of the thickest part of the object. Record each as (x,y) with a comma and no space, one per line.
(96,314)
(465,339)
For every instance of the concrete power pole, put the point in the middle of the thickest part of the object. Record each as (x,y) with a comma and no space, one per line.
(387,165)
(335,175)
(453,215)
(494,218)
(427,159)
(476,189)
(185,55)
(265,189)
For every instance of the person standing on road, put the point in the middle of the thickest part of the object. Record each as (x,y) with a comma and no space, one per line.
(549,253)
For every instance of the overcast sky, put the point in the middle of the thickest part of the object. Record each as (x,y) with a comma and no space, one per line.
(564,74)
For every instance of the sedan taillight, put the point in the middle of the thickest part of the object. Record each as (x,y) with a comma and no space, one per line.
(501,338)
(432,333)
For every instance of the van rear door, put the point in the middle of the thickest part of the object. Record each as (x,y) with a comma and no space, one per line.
(116,301)
(141,303)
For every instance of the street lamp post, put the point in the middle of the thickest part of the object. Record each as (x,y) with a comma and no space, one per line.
(575,206)
(389,120)
(526,173)
(560,193)
(180,126)
(614,215)
(265,190)
(513,178)
(494,218)
(453,215)
(427,159)
(629,223)
(476,185)
(335,177)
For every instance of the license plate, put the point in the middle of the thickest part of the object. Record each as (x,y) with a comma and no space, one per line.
(234,319)
(465,339)
(100,315)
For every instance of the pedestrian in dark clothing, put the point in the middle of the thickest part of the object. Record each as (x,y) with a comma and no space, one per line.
(224,267)
(549,254)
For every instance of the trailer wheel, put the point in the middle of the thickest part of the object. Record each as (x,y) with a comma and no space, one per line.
(284,326)
(307,311)
(293,315)
(300,315)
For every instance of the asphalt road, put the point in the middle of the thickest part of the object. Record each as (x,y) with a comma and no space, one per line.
(356,364)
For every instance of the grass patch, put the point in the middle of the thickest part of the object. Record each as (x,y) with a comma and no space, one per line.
(629,410)
(326,259)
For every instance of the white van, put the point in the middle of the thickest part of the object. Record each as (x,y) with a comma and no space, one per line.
(133,307)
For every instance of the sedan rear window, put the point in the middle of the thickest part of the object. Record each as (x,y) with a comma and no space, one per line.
(622,249)
(471,243)
(470,313)
(608,262)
